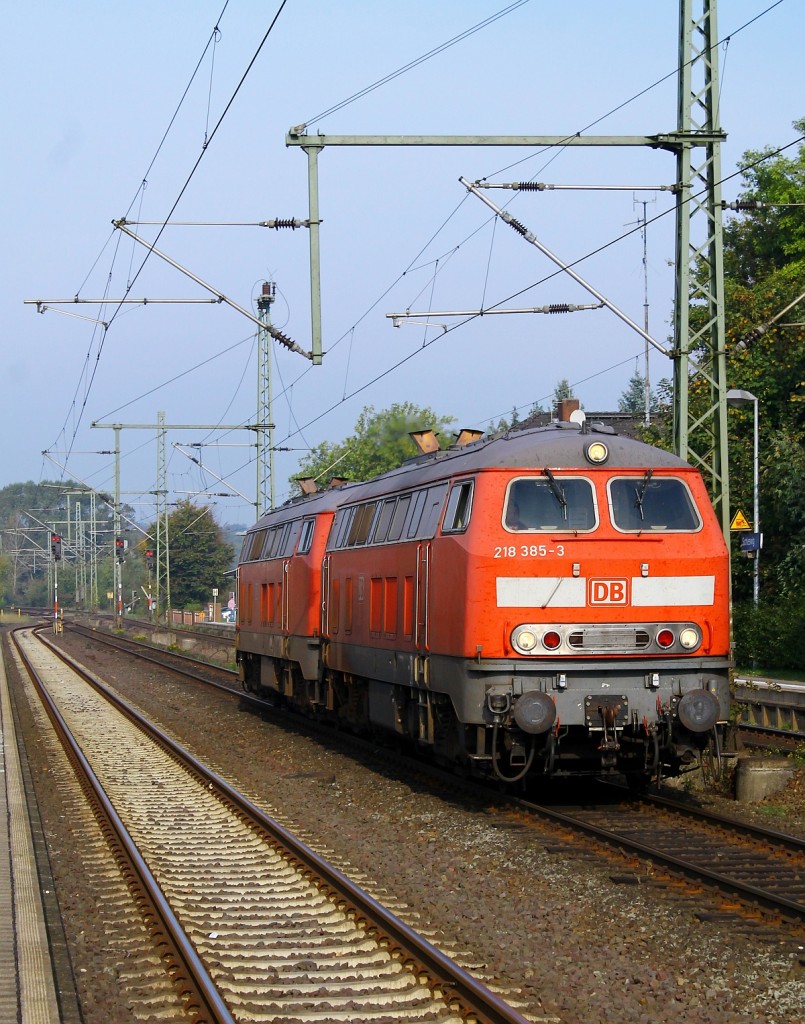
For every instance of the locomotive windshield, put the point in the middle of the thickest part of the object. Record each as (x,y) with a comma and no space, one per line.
(549,503)
(652,503)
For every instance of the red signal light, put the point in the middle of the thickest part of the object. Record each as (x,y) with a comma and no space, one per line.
(665,638)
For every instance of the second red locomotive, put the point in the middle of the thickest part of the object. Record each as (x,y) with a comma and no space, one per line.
(551,601)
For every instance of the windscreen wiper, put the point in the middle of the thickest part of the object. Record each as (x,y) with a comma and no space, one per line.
(558,491)
(640,492)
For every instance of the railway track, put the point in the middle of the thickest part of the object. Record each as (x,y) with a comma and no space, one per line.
(251,924)
(208,633)
(174,661)
(760,866)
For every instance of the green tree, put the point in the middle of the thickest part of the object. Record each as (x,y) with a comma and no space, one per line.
(562,390)
(764,259)
(28,513)
(199,556)
(380,443)
(6,579)
(633,399)
(772,233)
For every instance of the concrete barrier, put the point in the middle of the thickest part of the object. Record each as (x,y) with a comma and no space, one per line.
(759,777)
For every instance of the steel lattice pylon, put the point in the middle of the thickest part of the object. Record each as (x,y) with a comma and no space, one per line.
(700,373)
(80,564)
(264,430)
(163,571)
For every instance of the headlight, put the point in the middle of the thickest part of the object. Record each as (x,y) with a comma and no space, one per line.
(689,638)
(597,452)
(524,639)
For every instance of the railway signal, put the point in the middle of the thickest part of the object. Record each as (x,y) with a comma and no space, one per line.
(55,546)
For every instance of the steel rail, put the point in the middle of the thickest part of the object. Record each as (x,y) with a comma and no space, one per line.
(183,965)
(462,993)
(201,631)
(727,883)
(744,828)
(152,654)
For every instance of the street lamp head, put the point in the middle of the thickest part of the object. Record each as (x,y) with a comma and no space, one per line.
(737,397)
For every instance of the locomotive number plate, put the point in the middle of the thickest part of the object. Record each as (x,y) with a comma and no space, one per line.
(529,550)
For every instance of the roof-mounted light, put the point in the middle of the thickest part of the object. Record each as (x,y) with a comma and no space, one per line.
(596,452)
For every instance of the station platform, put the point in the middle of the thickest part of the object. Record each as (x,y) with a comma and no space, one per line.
(36,985)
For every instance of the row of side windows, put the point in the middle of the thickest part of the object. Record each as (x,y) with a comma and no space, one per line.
(278,541)
(411,516)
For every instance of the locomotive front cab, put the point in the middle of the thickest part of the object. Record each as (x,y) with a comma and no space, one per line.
(610,593)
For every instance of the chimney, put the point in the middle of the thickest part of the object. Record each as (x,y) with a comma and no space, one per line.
(564,407)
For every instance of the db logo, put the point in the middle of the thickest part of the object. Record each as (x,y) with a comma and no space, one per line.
(608,592)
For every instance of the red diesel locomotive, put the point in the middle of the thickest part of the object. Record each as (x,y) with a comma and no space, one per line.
(551,601)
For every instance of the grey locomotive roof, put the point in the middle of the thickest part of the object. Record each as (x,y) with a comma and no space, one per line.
(557,446)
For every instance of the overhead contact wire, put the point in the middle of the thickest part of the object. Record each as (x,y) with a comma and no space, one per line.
(450,329)
(415,63)
(181,193)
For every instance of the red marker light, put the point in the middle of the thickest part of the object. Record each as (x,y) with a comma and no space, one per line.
(665,638)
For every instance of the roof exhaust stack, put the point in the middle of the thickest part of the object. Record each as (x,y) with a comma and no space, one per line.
(425,440)
(466,436)
(308,484)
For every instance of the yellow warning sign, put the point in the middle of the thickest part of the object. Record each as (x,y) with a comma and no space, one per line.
(740,522)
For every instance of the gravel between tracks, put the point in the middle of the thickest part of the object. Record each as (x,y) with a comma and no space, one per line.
(578,948)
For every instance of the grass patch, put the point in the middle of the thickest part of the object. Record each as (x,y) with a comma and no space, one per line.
(775,811)
(772,673)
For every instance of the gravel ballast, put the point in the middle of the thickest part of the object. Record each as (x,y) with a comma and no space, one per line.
(542,920)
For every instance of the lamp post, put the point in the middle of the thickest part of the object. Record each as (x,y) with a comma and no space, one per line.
(737,397)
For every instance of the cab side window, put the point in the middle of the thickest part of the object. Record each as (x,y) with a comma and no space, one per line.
(459,508)
(306,538)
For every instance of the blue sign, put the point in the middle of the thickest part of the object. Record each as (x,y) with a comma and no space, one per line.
(750,542)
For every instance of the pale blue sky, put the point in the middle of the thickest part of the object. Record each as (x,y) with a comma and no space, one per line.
(91,88)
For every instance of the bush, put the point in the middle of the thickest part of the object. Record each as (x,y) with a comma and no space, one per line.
(771,636)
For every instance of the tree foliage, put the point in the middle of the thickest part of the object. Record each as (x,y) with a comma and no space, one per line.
(199,556)
(764,259)
(6,577)
(633,399)
(772,236)
(29,512)
(380,442)
(764,264)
